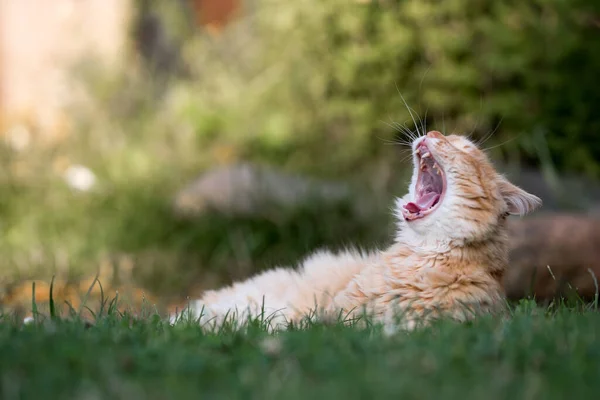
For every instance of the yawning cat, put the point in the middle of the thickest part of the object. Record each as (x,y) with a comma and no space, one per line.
(449,255)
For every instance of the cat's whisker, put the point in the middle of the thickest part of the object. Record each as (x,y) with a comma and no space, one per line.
(478,118)
(489,135)
(501,144)
(388,141)
(409,156)
(395,142)
(418,124)
(425,120)
(396,126)
(422,133)
(408,108)
(423,78)
(443,122)
(401,129)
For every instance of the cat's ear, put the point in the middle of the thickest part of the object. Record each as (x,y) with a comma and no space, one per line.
(519,202)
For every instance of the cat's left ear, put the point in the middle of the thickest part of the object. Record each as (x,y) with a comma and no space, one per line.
(519,202)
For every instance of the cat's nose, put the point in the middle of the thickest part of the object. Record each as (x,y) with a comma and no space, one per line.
(434,135)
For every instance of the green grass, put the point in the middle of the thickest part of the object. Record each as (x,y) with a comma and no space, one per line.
(537,353)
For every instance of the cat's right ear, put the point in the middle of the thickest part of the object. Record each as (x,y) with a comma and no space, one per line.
(518,201)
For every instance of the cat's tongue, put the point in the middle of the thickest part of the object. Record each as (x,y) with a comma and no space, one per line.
(423,202)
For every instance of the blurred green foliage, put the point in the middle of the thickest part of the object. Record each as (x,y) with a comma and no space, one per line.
(308,85)
(311,84)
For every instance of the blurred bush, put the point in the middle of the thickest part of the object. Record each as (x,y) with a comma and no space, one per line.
(308,85)
(311,84)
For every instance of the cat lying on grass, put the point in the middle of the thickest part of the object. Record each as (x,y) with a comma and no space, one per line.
(448,258)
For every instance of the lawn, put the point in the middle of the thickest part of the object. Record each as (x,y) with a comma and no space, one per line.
(321,89)
(540,353)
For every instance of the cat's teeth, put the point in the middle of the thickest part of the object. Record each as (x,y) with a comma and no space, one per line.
(436,169)
(428,154)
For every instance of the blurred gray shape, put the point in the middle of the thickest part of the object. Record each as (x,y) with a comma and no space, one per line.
(253,190)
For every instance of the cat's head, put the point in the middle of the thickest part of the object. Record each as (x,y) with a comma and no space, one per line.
(455,191)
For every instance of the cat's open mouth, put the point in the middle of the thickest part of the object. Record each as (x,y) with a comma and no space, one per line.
(430,188)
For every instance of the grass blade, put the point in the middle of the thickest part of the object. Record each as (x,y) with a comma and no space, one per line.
(51,300)
(34,309)
(87,294)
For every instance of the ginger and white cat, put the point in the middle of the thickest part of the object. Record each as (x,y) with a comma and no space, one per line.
(448,258)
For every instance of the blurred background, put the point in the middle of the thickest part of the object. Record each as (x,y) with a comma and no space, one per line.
(170,147)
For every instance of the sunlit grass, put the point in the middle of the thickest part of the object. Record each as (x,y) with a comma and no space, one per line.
(535,353)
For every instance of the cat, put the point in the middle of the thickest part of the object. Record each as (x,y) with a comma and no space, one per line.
(448,258)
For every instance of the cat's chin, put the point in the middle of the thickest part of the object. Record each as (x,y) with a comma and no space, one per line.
(430,187)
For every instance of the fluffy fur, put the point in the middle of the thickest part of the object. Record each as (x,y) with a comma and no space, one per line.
(447,260)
